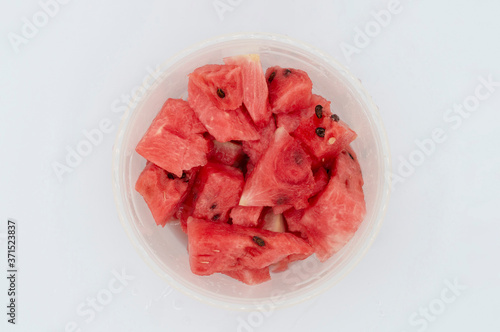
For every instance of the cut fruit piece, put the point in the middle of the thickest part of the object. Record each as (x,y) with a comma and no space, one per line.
(250,276)
(221,84)
(324,138)
(216,190)
(283,264)
(292,217)
(278,209)
(172,152)
(282,176)
(255,149)
(290,121)
(336,213)
(173,140)
(219,247)
(191,177)
(289,89)
(254,86)
(225,126)
(247,216)
(227,153)
(162,191)
(178,117)
(276,223)
(321,180)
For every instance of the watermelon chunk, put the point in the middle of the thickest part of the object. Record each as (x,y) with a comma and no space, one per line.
(219,247)
(216,190)
(290,121)
(278,209)
(276,223)
(227,153)
(254,86)
(250,276)
(235,124)
(283,264)
(282,176)
(324,137)
(255,149)
(289,89)
(246,215)
(162,191)
(221,84)
(320,180)
(293,217)
(174,141)
(336,213)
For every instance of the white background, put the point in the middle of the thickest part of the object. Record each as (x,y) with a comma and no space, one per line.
(442,225)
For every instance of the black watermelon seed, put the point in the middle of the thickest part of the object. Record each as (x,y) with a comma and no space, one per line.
(271,77)
(213,206)
(220,93)
(319,111)
(286,72)
(183,175)
(335,118)
(216,217)
(350,155)
(170,176)
(259,241)
(320,132)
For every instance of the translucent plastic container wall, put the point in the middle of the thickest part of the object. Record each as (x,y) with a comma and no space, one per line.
(164,249)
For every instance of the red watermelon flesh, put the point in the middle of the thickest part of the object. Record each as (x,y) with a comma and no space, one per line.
(290,121)
(162,191)
(283,264)
(173,140)
(293,217)
(276,223)
(254,86)
(221,84)
(235,124)
(247,216)
(289,89)
(320,180)
(227,153)
(219,247)
(277,209)
(178,117)
(250,276)
(324,137)
(282,176)
(216,190)
(190,176)
(255,149)
(336,213)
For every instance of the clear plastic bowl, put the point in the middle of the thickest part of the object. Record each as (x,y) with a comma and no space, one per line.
(164,249)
